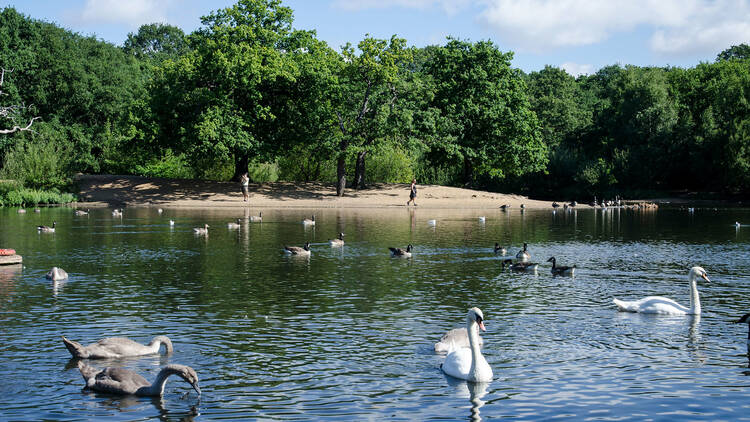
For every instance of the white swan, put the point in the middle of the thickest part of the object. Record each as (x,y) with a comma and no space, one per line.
(201,230)
(467,363)
(455,339)
(665,306)
(56,273)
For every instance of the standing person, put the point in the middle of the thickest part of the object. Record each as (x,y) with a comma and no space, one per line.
(412,193)
(245,182)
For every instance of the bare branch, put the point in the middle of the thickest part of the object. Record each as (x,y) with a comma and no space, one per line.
(19,128)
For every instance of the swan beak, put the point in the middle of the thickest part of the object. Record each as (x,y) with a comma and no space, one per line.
(705,277)
(481,326)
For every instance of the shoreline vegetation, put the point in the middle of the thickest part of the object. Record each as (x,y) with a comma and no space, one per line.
(372,113)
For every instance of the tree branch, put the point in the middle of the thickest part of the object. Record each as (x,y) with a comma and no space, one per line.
(19,128)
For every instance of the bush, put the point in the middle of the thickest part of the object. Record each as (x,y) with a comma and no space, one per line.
(38,164)
(169,166)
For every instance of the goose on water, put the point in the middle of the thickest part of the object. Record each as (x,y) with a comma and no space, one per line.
(482,219)
(234,225)
(257,218)
(171,222)
(114,380)
(745,319)
(560,269)
(499,249)
(309,221)
(468,363)
(523,255)
(665,306)
(201,230)
(432,223)
(402,253)
(454,339)
(339,241)
(47,229)
(117,347)
(116,213)
(81,213)
(521,266)
(56,274)
(296,250)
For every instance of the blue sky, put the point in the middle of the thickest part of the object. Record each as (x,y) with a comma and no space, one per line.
(580,36)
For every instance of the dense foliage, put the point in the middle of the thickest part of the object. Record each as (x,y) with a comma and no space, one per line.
(249,92)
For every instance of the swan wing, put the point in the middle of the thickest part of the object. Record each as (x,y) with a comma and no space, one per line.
(454,339)
(118,381)
(652,305)
(116,347)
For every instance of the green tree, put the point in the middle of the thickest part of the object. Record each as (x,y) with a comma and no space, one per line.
(487,120)
(735,52)
(156,42)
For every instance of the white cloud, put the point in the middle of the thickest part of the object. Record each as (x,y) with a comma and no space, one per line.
(676,26)
(449,6)
(131,12)
(577,69)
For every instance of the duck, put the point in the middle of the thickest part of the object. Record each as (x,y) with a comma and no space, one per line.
(55,274)
(454,339)
(505,207)
(256,218)
(482,219)
(116,213)
(559,269)
(665,306)
(309,221)
(117,347)
(499,249)
(523,255)
(236,225)
(81,213)
(114,380)
(468,363)
(296,250)
(402,253)
(521,266)
(201,230)
(432,223)
(47,229)
(745,319)
(339,241)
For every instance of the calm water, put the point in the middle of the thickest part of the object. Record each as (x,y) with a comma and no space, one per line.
(348,333)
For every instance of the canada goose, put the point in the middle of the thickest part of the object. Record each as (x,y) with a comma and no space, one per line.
(37,210)
(665,306)
(81,213)
(171,222)
(482,219)
(468,363)
(523,255)
(117,347)
(256,218)
(745,319)
(555,205)
(234,225)
(499,249)
(116,213)
(47,229)
(432,223)
(337,242)
(454,339)
(21,211)
(160,210)
(296,250)
(115,380)
(56,274)
(402,253)
(521,266)
(201,230)
(523,206)
(561,270)
(573,204)
(505,207)
(309,221)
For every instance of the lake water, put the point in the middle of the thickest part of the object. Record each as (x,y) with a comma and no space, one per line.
(348,334)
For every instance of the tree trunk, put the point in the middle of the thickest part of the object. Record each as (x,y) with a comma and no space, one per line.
(341,175)
(359,171)
(468,173)
(240,166)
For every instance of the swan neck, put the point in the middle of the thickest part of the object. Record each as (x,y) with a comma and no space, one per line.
(472,330)
(157,388)
(695,303)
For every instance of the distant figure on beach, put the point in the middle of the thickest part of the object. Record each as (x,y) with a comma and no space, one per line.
(245,183)
(412,192)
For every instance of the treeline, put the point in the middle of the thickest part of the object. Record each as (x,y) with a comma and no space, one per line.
(249,91)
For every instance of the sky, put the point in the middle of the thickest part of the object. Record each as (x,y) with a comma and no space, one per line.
(580,36)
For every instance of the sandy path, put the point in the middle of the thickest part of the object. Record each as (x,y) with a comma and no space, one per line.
(141,191)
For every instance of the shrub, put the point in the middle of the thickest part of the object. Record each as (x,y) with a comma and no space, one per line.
(38,164)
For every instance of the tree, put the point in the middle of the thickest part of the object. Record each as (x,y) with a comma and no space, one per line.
(487,121)
(367,96)
(13,113)
(156,42)
(735,52)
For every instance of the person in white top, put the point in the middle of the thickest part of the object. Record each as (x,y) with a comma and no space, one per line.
(245,182)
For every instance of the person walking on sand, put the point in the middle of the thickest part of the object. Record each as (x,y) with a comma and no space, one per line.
(245,183)
(412,193)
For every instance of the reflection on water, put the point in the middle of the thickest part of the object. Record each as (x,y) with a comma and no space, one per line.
(348,333)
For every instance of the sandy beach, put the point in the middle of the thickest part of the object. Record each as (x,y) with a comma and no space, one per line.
(114,190)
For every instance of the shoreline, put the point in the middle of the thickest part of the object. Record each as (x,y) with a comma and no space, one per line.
(121,190)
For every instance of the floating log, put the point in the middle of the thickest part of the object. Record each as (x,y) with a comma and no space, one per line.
(10,259)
